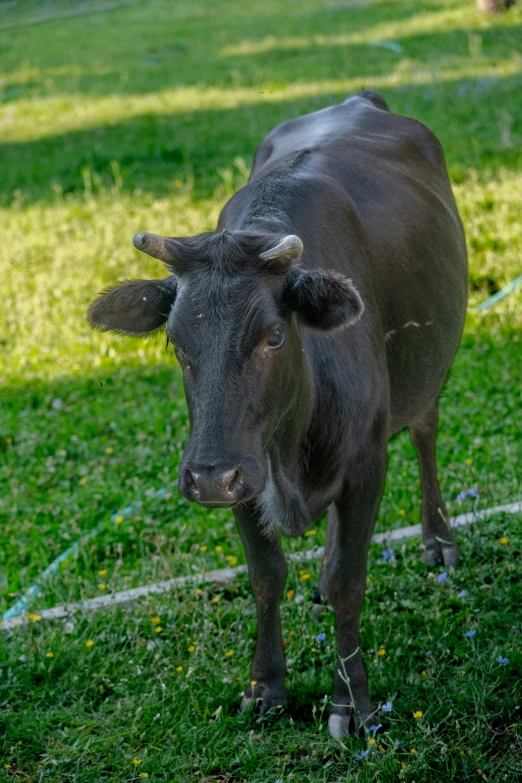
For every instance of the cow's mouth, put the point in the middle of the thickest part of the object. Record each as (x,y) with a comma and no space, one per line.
(217,504)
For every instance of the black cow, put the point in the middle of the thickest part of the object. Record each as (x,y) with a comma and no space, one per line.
(321,317)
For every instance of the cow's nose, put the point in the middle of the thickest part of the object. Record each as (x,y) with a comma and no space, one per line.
(212,485)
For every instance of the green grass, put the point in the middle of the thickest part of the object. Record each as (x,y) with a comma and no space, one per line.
(147,118)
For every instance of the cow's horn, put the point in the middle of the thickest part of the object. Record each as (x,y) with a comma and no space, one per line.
(165,249)
(288,249)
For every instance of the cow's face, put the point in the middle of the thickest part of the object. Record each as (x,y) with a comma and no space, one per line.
(233,308)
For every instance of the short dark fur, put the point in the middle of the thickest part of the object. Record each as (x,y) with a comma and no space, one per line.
(371,315)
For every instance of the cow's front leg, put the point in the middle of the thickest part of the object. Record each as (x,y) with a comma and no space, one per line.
(345,582)
(267,573)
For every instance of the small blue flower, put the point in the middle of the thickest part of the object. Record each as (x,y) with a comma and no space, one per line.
(470,634)
(398,743)
(374,727)
(387,707)
(429,653)
(320,637)
(442,577)
(502,661)
(462,594)
(361,755)
(466,493)
(388,555)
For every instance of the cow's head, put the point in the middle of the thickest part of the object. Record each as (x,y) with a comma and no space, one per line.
(233,307)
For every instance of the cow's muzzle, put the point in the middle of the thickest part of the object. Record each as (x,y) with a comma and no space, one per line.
(219,485)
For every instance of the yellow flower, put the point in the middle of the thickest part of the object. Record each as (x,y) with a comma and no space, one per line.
(290,594)
(119,520)
(155,620)
(137,761)
(253,682)
(89,643)
(102,572)
(381,652)
(469,462)
(102,587)
(34,618)
(313,649)
(403,765)
(418,714)
(229,653)
(402,512)
(310,533)
(179,668)
(127,578)
(203,548)
(504,540)
(304,576)
(49,655)
(423,674)
(191,648)
(381,747)
(232,559)
(83,480)
(199,591)
(219,549)
(158,629)
(412,750)
(144,774)
(109,450)
(371,742)
(216,599)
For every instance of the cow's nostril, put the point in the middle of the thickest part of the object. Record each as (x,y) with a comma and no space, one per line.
(192,483)
(229,479)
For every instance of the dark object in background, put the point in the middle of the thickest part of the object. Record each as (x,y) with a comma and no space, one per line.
(494,6)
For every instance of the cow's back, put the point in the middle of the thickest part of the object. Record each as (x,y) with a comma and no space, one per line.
(368,192)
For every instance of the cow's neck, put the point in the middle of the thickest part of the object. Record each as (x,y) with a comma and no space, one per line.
(291,500)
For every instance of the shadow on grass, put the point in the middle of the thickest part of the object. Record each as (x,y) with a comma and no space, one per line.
(154,150)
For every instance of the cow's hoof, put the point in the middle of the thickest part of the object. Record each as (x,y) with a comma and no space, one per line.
(432,553)
(436,552)
(340,724)
(260,698)
(450,555)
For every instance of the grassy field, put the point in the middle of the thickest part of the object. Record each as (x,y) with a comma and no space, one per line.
(146,117)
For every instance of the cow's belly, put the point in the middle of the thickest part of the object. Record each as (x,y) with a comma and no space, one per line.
(419,355)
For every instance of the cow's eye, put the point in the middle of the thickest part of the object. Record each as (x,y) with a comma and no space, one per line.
(277,337)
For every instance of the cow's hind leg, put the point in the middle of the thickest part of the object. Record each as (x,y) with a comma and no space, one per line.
(439,545)
(331,532)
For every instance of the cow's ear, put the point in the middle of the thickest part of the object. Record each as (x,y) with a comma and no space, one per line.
(326,301)
(137,307)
